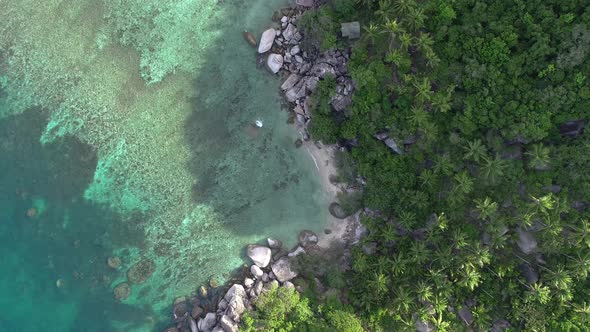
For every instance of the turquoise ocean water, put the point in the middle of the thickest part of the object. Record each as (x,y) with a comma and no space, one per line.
(96,163)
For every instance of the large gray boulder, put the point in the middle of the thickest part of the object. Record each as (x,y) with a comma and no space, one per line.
(283,270)
(341,102)
(274,62)
(256,271)
(193,324)
(207,323)
(322,69)
(390,142)
(289,32)
(290,82)
(237,302)
(228,324)
(258,287)
(351,30)
(526,241)
(260,255)
(248,282)
(465,315)
(297,252)
(268,37)
(302,88)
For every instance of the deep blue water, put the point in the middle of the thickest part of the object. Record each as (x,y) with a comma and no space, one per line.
(67,239)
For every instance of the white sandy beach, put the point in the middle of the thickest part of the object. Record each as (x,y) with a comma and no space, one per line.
(323,157)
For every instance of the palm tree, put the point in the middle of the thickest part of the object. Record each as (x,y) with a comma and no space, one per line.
(423,90)
(459,239)
(444,256)
(443,165)
(385,11)
(407,219)
(469,277)
(486,207)
(424,42)
(560,278)
(493,169)
(415,18)
(388,233)
(424,291)
(539,157)
(403,7)
(403,300)
(581,265)
(398,265)
(442,101)
(418,117)
(464,183)
(432,60)
(405,40)
(393,28)
(379,283)
(428,178)
(543,204)
(371,33)
(583,309)
(419,253)
(480,255)
(581,235)
(475,150)
(430,131)
(399,58)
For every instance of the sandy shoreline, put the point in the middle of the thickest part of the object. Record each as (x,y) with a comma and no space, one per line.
(324,160)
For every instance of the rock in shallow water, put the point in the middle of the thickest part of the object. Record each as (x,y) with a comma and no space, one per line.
(249,38)
(337,211)
(260,255)
(268,37)
(307,237)
(256,271)
(274,62)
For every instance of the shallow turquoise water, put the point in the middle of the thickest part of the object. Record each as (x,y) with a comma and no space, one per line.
(250,184)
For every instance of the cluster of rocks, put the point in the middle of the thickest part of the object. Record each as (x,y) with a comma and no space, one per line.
(272,267)
(281,51)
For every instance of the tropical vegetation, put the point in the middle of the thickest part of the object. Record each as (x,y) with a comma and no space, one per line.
(484,219)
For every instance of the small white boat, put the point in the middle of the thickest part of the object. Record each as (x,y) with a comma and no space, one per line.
(258,123)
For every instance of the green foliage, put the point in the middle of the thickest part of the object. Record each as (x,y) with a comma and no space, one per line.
(284,309)
(278,309)
(323,126)
(350,201)
(343,321)
(320,28)
(478,89)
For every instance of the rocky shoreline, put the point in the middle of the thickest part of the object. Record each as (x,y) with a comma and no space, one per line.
(218,309)
(272,266)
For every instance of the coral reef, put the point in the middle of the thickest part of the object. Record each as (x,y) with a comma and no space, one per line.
(122,291)
(114,262)
(141,271)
